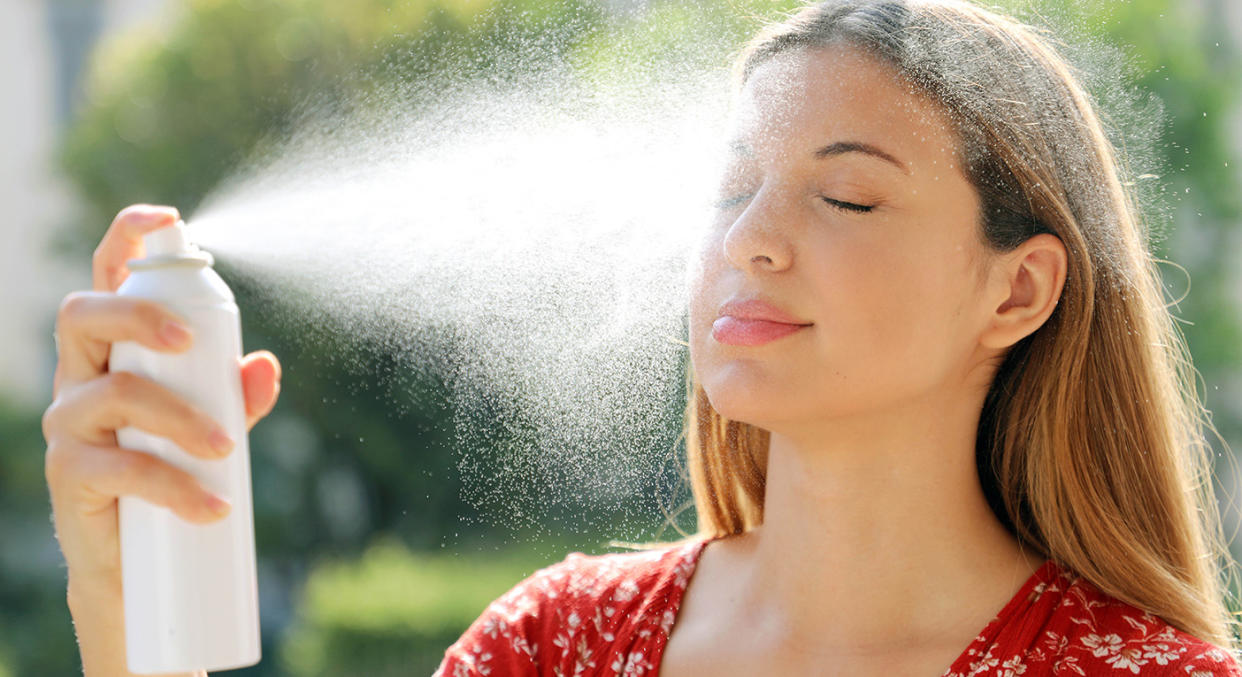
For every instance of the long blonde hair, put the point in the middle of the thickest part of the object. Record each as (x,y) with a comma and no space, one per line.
(1091,443)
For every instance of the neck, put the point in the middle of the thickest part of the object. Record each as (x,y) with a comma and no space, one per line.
(876,532)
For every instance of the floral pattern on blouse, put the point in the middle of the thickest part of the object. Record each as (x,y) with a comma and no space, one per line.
(611,615)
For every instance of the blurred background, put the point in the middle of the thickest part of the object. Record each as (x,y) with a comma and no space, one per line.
(371,562)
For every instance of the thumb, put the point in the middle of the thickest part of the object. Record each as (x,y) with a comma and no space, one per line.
(260,373)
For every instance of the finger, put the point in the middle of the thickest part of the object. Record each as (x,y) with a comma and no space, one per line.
(89,322)
(261,384)
(104,473)
(94,412)
(123,242)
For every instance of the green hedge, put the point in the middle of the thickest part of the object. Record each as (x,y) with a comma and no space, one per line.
(392,611)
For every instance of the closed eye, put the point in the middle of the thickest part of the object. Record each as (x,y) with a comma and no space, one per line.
(848,206)
(729,203)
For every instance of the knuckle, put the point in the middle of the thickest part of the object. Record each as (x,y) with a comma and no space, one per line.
(136,467)
(50,421)
(110,269)
(130,211)
(57,462)
(193,425)
(98,256)
(191,499)
(123,385)
(166,484)
(204,424)
(146,312)
(70,307)
(170,405)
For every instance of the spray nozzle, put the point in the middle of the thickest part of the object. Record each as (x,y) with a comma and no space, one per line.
(172,244)
(170,241)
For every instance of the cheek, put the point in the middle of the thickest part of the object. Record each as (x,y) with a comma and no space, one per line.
(703,274)
(937,335)
(891,311)
(861,286)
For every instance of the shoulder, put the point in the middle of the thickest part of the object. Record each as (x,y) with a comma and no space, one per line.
(569,610)
(1087,632)
(589,581)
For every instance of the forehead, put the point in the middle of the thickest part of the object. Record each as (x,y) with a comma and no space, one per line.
(827,94)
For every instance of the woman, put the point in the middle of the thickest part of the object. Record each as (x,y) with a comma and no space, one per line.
(942,422)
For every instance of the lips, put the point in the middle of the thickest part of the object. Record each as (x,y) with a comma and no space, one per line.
(751,322)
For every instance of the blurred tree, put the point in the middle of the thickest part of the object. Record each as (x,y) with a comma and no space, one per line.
(170,115)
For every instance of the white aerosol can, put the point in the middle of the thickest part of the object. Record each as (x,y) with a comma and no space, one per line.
(190,590)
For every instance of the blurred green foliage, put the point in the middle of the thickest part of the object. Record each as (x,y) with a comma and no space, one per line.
(393,612)
(35,635)
(170,114)
(6,661)
(370,561)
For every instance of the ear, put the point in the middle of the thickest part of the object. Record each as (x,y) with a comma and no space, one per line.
(1025,286)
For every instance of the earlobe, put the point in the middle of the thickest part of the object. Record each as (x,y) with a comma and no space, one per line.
(1029,281)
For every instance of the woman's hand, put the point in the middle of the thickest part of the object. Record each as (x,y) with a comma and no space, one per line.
(86,471)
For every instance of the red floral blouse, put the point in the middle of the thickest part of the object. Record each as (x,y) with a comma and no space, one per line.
(612,614)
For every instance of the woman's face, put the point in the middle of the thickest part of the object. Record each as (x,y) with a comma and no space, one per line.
(846,240)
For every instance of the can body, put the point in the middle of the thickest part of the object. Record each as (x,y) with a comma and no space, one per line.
(190,590)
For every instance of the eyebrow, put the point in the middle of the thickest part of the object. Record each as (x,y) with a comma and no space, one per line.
(833,150)
(842,147)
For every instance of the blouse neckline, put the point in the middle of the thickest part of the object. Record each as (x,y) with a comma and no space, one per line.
(1023,598)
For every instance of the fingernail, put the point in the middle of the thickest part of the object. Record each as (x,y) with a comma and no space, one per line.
(174,333)
(219,440)
(217,505)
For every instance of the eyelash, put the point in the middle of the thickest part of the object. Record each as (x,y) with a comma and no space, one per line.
(848,206)
(835,204)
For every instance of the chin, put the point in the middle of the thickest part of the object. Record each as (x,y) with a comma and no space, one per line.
(739,394)
(739,389)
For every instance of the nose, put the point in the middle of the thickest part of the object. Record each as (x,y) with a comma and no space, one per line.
(757,240)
